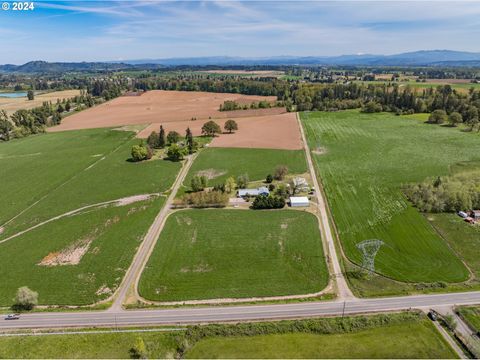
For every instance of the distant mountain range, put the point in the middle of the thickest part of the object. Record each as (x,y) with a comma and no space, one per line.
(417,58)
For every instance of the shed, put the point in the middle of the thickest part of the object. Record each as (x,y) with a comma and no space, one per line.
(299,201)
(475,214)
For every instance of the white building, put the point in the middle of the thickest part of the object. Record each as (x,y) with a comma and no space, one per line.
(299,201)
(253,192)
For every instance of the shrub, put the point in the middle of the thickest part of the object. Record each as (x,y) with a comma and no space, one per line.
(173,137)
(455,118)
(269,179)
(141,152)
(175,153)
(437,117)
(268,202)
(280,172)
(25,299)
(198,183)
(371,107)
(242,181)
(219,187)
(138,350)
(282,191)
(206,199)
(230,185)
(153,139)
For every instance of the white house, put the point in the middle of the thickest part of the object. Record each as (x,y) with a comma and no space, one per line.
(299,201)
(253,192)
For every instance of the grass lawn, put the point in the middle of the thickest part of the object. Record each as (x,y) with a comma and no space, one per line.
(461,87)
(68,170)
(462,237)
(471,314)
(398,335)
(112,234)
(206,254)
(363,160)
(86,346)
(410,340)
(257,163)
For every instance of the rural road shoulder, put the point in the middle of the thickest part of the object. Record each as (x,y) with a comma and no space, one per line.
(200,315)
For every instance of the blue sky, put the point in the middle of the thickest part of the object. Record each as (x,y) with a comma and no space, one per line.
(138,29)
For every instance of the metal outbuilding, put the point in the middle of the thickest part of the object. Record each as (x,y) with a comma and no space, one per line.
(299,201)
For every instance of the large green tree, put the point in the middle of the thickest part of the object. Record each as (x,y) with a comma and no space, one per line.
(231,125)
(210,128)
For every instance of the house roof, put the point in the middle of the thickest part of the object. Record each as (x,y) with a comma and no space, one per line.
(253,192)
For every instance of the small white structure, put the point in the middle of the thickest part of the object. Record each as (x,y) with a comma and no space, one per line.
(299,201)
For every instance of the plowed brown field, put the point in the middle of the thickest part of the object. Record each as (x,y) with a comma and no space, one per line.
(268,132)
(258,128)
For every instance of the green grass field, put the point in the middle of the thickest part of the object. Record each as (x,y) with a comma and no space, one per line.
(462,87)
(86,346)
(471,314)
(399,335)
(113,234)
(68,170)
(257,163)
(206,254)
(50,174)
(463,238)
(409,340)
(363,160)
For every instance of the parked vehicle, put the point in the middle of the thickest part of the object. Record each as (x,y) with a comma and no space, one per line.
(12,317)
(433,315)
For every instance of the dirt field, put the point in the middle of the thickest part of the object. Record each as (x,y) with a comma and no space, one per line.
(259,128)
(158,107)
(12,105)
(266,132)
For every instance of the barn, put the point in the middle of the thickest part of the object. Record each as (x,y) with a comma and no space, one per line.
(299,201)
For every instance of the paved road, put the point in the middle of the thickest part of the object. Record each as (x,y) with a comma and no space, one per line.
(131,278)
(343,290)
(235,313)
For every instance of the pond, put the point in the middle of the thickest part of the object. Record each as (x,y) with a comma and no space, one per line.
(17,94)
